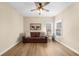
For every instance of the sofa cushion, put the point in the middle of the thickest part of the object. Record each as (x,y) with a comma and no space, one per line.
(35,34)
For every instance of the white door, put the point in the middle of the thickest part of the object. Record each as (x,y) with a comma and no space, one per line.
(48,30)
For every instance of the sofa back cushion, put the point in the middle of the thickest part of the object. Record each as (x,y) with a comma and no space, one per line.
(35,34)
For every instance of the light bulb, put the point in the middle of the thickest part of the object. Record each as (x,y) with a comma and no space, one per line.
(41,10)
(38,11)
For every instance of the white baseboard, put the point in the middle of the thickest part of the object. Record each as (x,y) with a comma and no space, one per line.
(68,47)
(8,48)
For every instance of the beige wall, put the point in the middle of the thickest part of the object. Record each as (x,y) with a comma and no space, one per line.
(70,17)
(11,25)
(42,20)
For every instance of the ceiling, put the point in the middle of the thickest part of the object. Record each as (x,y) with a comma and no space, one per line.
(25,7)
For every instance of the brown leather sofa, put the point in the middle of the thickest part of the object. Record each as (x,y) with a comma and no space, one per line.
(35,38)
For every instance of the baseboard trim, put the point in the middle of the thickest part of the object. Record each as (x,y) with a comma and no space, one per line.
(8,48)
(68,47)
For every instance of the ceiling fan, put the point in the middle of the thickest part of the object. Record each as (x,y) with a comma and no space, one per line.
(40,7)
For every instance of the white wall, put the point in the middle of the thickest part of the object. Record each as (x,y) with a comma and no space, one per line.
(70,18)
(11,25)
(42,20)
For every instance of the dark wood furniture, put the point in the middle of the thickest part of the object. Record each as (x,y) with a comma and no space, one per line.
(35,38)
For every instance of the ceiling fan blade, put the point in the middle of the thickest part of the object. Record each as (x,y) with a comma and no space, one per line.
(46,10)
(36,4)
(32,10)
(45,3)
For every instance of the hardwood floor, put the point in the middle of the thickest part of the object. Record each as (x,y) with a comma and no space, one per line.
(39,49)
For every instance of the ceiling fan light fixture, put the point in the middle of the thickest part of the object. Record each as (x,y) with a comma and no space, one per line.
(40,7)
(40,11)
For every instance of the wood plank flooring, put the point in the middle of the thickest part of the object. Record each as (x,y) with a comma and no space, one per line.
(39,49)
